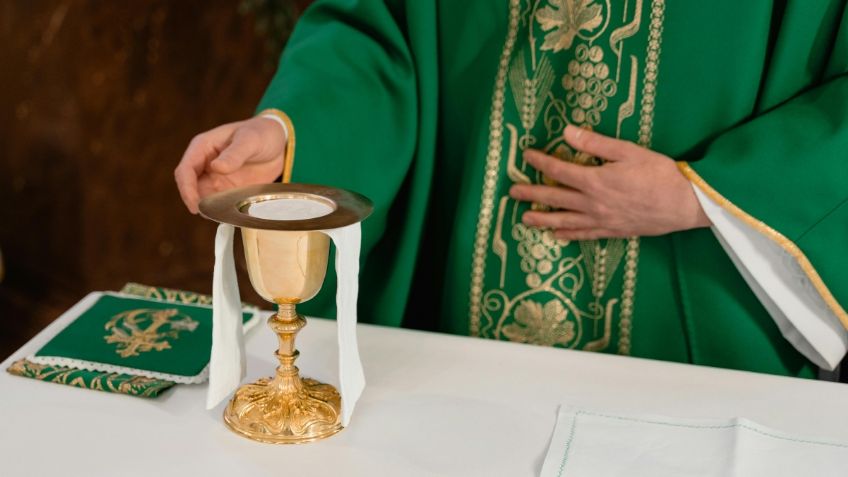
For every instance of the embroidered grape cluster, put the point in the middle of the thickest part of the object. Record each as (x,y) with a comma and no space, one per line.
(587,85)
(539,251)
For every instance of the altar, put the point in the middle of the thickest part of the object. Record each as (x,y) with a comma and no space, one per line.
(435,405)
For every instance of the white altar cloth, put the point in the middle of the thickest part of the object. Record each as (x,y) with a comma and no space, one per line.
(434,405)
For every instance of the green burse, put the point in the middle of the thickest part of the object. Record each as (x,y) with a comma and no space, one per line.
(139,344)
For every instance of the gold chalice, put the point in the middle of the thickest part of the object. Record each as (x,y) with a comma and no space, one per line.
(287,262)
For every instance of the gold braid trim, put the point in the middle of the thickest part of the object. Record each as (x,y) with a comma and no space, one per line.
(490,179)
(772,235)
(288,154)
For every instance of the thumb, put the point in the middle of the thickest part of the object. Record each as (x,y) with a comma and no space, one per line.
(234,155)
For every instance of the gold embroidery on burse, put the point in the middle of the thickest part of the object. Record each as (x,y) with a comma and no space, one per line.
(143,330)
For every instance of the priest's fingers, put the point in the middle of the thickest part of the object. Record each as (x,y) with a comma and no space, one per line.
(192,164)
(245,144)
(207,185)
(559,197)
(558,220)
(561,171)
(203,148)
(186,179)
(584,234)
(598,145)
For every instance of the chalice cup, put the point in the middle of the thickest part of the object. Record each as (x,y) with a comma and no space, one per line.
(287,263)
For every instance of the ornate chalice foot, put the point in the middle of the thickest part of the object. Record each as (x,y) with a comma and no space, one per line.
(279,412)
(285,409)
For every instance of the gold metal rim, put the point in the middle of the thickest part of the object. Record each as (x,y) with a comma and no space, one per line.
(229,207)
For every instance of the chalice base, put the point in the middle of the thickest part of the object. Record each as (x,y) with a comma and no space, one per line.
(285,410)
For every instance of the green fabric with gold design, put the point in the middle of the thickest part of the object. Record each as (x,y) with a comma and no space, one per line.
(163,331)
(425,107)
(168,294)
(96,380)
(143,334)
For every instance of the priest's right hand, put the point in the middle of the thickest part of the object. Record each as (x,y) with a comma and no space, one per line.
(232,155)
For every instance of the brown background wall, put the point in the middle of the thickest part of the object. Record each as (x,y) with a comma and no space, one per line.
(97,102)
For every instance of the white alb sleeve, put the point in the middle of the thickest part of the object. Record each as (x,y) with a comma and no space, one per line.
(785,291)
(279,121)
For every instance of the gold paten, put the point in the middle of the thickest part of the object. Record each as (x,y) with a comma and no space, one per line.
(287,262)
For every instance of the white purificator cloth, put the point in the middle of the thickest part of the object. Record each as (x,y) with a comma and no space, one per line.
(227,364)
(611,444)
(226,361)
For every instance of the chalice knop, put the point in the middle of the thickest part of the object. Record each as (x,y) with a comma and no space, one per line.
(287,262)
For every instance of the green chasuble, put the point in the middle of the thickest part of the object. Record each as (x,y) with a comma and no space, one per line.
(426,105)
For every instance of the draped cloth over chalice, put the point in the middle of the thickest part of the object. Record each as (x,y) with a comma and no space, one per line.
(286,230)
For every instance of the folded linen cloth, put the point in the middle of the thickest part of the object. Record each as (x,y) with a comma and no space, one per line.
(606,444)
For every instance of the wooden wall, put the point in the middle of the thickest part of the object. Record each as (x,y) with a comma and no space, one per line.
(97,102)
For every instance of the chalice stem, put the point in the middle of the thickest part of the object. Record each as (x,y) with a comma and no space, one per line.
(286,323)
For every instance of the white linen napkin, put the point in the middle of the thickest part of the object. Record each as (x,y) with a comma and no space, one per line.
(226,361)
(611,444)
(348,241)
(226,365)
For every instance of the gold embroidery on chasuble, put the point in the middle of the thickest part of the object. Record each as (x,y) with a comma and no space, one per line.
(576,62)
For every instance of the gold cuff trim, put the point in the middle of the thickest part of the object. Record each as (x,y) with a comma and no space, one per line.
(288,154)
(771,234)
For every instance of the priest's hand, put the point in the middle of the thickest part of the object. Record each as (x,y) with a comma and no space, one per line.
(232,155)
(635,192)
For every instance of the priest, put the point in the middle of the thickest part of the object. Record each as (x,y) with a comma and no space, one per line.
(658,179)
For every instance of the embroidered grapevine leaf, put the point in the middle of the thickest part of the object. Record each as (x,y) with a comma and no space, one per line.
(529,313)
(555,312)
(563,19)
(542,325)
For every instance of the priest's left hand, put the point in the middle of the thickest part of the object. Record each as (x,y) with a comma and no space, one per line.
(635,192)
